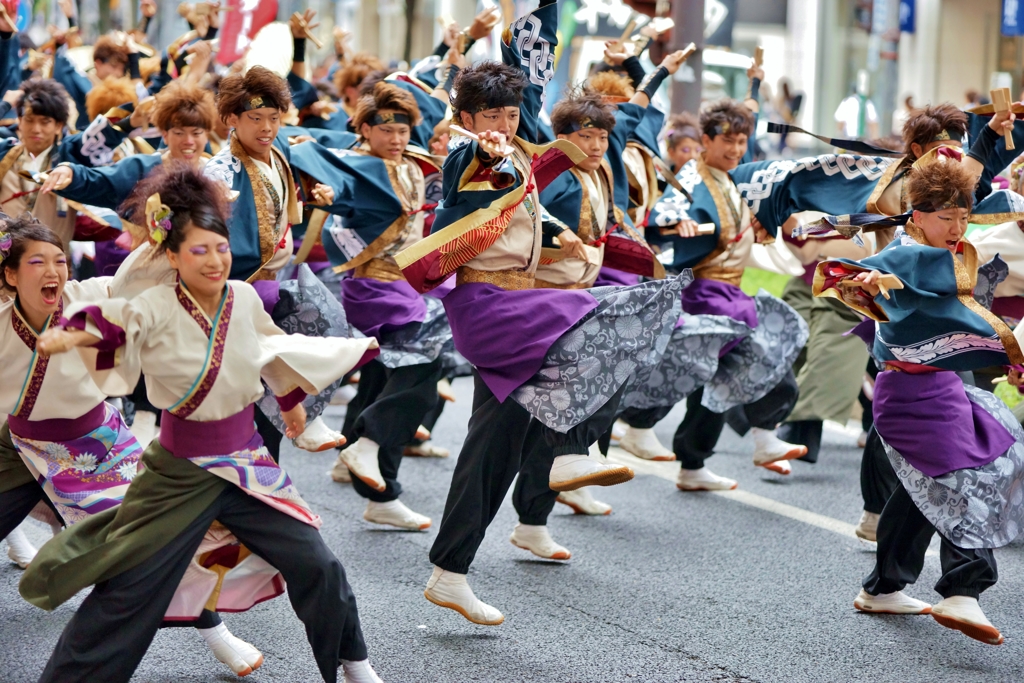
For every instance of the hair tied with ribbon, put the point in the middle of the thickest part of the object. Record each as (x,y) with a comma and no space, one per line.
(158,219)
(6,242)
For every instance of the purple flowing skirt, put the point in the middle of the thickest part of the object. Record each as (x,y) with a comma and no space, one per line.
(712,297)
(373,307)
(934,422)
(507,334)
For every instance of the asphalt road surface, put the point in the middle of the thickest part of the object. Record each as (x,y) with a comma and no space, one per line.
(751,585)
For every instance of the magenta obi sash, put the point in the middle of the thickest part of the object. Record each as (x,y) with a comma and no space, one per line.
(194,439)
(57,429)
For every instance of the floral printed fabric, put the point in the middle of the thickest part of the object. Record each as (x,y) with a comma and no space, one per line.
(418,343)
(86,475)
(980,507)
(307,307)
(690,360)
(758,363)
(629,330)
(253,470)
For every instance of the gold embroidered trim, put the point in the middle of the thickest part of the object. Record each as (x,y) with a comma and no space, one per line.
(397,230)
(585,228)
(382,270)
(726,227)
(966,278)
(733,276)
(883,183)
(506,279)
(544,284)
(265,223)
(995,218)
(7,163)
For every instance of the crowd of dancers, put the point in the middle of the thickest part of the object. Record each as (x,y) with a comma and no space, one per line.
(256,242)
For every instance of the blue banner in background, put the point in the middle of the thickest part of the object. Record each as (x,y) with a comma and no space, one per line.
(907,18)
(1013,18)
(24,17)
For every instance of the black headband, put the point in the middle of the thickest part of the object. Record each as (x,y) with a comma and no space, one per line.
(389,117)
(571,127)
(961,202)
(947,134)
(258,102)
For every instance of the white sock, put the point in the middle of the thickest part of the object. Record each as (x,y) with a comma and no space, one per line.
(359,672)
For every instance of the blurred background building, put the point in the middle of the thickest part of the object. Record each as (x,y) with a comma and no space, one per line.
(927,50)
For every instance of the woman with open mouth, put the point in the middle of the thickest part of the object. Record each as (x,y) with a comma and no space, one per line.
(206,347)
(63,446)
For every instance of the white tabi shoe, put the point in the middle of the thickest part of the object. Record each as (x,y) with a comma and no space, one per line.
(582,503)
(344,395)
(144,427)
(619,430)
(426,450)
(242,657)
(571,472)
(538,541)
(19,549)
(703,480)
(445,391)
(359,672)
(361,460)
(451,590)
(422,433)
(963,614)
(645,445)
(867,527)
(339,472)
(890,603)
(862,440)
(317,437)
(780,467)
(769,448)
(395,513)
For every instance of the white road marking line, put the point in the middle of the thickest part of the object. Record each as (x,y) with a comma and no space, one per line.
(669,471)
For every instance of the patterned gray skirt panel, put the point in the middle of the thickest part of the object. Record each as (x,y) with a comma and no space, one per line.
(417,344)
(309,308)
(629,329)
(758,363)
(978,507)
(690,360)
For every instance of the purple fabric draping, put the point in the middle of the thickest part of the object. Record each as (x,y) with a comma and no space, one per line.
(609,277)
(507,334)
(109,258)
(931,422)
(713,297)
(372,306)
(269,292)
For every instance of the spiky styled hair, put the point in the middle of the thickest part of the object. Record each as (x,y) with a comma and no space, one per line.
(940,184)
(476,87)
(183,105)
(237,89)
(352,73)
(726,117)
(112,92)
(45,97)
(579,105)
(110,51)
(928,123)
(611,84)
(385,97)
